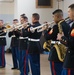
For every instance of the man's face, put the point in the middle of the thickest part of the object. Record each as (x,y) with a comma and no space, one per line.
(22,20)
(57,17)
(1,23)
(71,13)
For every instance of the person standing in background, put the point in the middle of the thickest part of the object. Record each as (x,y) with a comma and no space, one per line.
(14,46)
(23,42)
(2,45)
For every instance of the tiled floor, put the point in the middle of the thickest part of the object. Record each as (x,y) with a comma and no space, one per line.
(45,69)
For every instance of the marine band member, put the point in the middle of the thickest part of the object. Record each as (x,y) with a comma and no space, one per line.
(23,52)
(69,41)
(51,34)
(34,45)
(2,45)
(14,46)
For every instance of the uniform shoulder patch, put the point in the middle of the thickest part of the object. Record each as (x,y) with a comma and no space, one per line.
(72,33)
(51,31)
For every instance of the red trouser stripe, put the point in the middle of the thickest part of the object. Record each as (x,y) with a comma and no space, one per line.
(69,71)
(25,61)
(2,56)
(53,68)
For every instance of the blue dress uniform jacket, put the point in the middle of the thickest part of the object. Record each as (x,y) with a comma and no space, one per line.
(14,39)
(34,49)
(23,52)
(33,46)
(2,39)
(2,47)
(23,41)
(69,42)
(53,54)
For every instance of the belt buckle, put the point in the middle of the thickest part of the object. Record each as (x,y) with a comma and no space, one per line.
(57,42)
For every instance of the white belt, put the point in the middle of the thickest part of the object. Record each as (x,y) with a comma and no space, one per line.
(53,42)
(33,39)
(13,36)
(23,37)
(2,36)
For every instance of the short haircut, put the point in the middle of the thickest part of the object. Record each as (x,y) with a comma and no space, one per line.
(15,20)
(36,16)
(23,16)
(59,11)
(71,6)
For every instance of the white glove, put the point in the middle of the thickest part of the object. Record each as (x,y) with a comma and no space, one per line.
(32,30)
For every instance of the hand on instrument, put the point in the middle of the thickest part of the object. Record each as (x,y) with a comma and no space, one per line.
(59,36)
(32,30)
(4,30)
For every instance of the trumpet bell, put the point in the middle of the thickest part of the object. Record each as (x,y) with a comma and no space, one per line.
(8,26)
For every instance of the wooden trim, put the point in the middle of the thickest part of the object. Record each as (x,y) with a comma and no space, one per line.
(50,6)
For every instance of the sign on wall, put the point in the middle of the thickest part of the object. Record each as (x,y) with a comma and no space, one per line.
(44,3)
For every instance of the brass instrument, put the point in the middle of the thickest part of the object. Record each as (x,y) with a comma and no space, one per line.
(60,48)
(42,27)
(16,26)
(46,45)
(25,25)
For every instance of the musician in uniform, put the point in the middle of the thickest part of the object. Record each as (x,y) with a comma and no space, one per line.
(69,42)
(51,34)
(23,41)
(14,46)
(34,45)
(2,45)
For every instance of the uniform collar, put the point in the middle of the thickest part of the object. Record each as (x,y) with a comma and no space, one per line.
(35,22)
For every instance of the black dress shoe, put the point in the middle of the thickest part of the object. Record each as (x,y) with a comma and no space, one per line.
(13,68)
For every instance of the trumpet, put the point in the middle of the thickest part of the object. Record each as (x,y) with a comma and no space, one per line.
(43,26)
(16,26)
(25,25)
(47,25)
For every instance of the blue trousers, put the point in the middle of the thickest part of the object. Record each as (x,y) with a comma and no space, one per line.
(15,57)
(56,68)
(2,56)
(24,67)
(67,72)
(35,63)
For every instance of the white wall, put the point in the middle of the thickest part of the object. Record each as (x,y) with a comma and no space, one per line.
(7,14)
(6,8)
(66,4)
(29,7)
(7,11)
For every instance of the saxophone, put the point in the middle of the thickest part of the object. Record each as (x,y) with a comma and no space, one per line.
(60,48)
(47,45)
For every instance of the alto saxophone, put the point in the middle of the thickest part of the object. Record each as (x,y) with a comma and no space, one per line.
(60,48)
(46,45)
